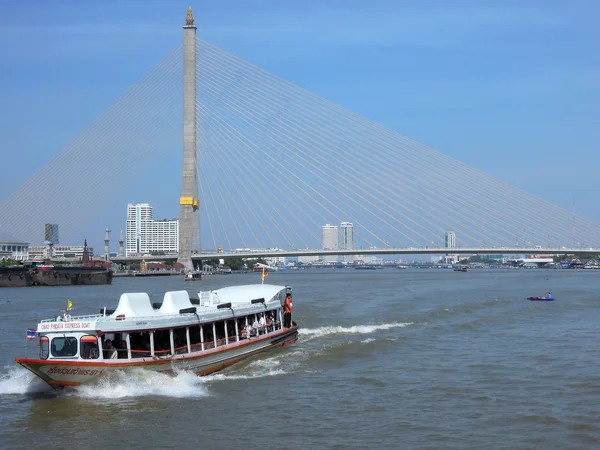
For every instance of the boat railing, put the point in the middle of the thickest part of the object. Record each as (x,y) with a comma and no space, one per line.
(68,318)
(181,350)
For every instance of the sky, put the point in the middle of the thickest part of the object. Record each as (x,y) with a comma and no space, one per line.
(509,87)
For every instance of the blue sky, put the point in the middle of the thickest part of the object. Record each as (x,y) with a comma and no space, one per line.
(509,87)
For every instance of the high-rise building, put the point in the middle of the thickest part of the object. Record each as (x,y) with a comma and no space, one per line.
(145,235)
(347,239)
(450,239)
(329,241)
(51,233)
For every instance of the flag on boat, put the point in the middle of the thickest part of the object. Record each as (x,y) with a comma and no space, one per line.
(69,305)
(31,334)
(264,274)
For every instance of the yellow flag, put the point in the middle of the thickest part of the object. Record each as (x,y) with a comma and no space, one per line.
(69,305)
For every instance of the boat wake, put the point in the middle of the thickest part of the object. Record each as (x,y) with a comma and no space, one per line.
(141,382)
(268,367)
(313,333)
(133,383)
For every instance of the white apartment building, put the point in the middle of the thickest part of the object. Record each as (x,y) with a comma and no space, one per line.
(450,239)
(329,241)
(146,235)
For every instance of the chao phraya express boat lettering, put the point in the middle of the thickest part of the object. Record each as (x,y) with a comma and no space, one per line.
(202,335)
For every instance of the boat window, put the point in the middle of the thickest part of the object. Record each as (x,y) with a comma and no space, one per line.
(207,329)
(195,338)
(162,343)
(64,346)
(231,331)
(180,340)
(89,347)
(44,347)
(220,329)
(140,344)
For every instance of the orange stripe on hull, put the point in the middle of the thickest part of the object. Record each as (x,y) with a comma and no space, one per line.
(63,383)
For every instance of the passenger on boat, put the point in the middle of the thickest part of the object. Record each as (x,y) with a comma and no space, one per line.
(270,323)
(109,351)
(244,333)
(549,296)
(122,352)
(89,351)
(256,325)
(287,311)
(262,321)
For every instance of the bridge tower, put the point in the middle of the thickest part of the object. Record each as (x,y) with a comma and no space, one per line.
(189,229)
(121,248)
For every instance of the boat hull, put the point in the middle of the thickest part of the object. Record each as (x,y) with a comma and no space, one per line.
(62,373)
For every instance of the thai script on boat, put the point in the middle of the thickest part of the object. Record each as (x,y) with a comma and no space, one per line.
(64,325)
(74,371)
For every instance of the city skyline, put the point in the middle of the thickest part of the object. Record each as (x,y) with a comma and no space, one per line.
(477,93)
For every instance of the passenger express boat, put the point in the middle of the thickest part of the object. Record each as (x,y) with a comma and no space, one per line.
(202,335)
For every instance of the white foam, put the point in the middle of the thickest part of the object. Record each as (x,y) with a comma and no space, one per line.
(267,367)
(140,382)
(366,341)
(267,373)
(357,329)
(21,381)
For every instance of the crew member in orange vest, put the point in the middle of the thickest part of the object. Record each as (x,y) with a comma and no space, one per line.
(287,311)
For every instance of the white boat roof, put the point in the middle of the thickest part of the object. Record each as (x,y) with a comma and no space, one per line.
(242,294)
(136,306)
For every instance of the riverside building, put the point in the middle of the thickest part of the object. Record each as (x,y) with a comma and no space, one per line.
(450,239)
(329,241)
(14,249)
(146,235)
(51,233)
(347,239)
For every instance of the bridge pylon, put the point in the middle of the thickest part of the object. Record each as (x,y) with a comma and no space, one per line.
(189,229)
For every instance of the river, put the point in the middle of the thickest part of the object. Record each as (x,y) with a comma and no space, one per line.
(411,359)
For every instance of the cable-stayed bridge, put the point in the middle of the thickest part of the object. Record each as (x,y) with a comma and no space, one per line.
(272,163)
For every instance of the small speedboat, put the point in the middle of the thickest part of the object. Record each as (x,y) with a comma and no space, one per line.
(540,299)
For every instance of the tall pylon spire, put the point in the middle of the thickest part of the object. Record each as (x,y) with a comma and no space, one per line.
(189,20)
(189,229)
